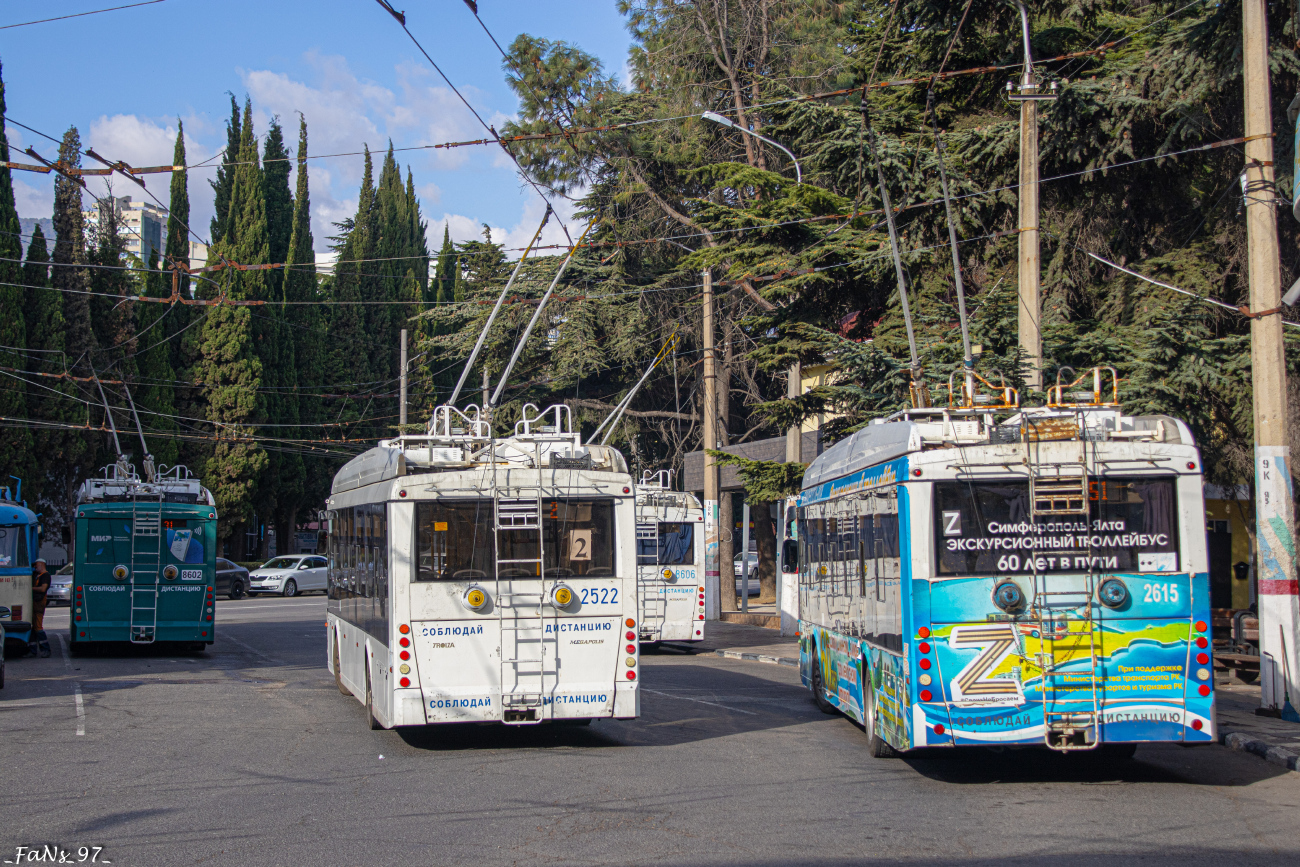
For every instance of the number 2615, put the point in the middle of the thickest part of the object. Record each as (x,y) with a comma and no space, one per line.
(1161,593)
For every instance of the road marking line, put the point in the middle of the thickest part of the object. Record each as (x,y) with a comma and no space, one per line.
(698,701)
(76,686)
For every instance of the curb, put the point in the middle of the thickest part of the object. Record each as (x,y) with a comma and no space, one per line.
(1266,751)
(757,657)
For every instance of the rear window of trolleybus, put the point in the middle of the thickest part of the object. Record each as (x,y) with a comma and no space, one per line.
(454,541)
(985,527)
(13,547)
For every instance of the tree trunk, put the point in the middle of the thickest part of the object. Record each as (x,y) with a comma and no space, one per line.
(765,536)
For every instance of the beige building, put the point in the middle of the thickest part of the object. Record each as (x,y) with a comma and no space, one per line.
(142,224)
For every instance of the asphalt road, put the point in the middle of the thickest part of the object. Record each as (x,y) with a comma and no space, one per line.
(247,754)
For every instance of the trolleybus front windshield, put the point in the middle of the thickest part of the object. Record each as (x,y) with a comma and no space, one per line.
(454,541)
(986,527)
(13,547)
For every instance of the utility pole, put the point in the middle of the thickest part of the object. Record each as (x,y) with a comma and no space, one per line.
(1030,307)
(712,568)
(401,408)
(794,434)
(1279,613)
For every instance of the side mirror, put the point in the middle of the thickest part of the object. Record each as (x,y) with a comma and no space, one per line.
(790,556)
(5,612)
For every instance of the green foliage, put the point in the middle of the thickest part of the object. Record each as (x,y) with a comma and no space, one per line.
(15,445)
(764,481)
(223,184)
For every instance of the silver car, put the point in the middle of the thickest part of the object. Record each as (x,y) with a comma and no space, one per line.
(60,592)
(289,576)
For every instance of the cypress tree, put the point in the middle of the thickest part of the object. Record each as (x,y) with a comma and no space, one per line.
(50,399)
(70,281)
(307,327)
(225,180)
(282,484)
(231,368)
(349,342)
(186,337)
(445,279)
(15,445)
(155,389)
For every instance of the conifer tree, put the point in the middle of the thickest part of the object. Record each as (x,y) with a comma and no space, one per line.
(231,368)
(185,336)
(279,199)
(307,331)
(350,343)
(445,279)
(15,445)
(154,392)
(69,278)
(55,402)
(224,183)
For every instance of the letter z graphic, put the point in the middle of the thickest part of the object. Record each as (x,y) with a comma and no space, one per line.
(972,683)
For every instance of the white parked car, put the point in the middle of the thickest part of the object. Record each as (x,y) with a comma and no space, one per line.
(288,576)
(753,573)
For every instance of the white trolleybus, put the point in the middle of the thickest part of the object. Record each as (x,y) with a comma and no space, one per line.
(482,579)
(669,560)
(983,574)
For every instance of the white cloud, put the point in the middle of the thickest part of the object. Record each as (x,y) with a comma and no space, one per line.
(517,236)
(34,200)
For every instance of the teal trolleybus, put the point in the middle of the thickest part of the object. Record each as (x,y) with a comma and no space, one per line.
(983,574)
(144,560)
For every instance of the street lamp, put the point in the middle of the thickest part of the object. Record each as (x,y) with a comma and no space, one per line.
(726,121)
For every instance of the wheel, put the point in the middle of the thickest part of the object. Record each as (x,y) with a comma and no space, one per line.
(338,671)
(237,589)
(876,745)
(2,675)
(75,647)
(818,687)
(290,588)
(370,705)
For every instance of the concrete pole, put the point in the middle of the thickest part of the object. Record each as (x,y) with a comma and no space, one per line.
(712,572)
(1030,306)
(794,434)
(1279,613)
(744,557)
(401,407)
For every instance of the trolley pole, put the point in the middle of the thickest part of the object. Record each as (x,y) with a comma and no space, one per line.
(401,408)
(1279,611)
(712,570)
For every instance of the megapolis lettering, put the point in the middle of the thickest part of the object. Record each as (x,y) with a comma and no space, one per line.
(439,631)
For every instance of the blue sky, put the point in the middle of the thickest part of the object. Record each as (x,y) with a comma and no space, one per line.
(123,78)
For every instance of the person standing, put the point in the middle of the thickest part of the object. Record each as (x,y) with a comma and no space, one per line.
(40,588)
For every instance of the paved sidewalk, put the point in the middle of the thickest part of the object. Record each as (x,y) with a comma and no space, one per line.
(1272,739)
(742,641)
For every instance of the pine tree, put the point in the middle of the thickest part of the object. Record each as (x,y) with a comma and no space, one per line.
(279,199)
(224,183)
(231,367)
(15,445)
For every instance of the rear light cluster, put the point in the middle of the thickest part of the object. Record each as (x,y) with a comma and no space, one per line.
(1203,673)
(630,661)
(210,603)
(923,648)
(405,655)
(699,611)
